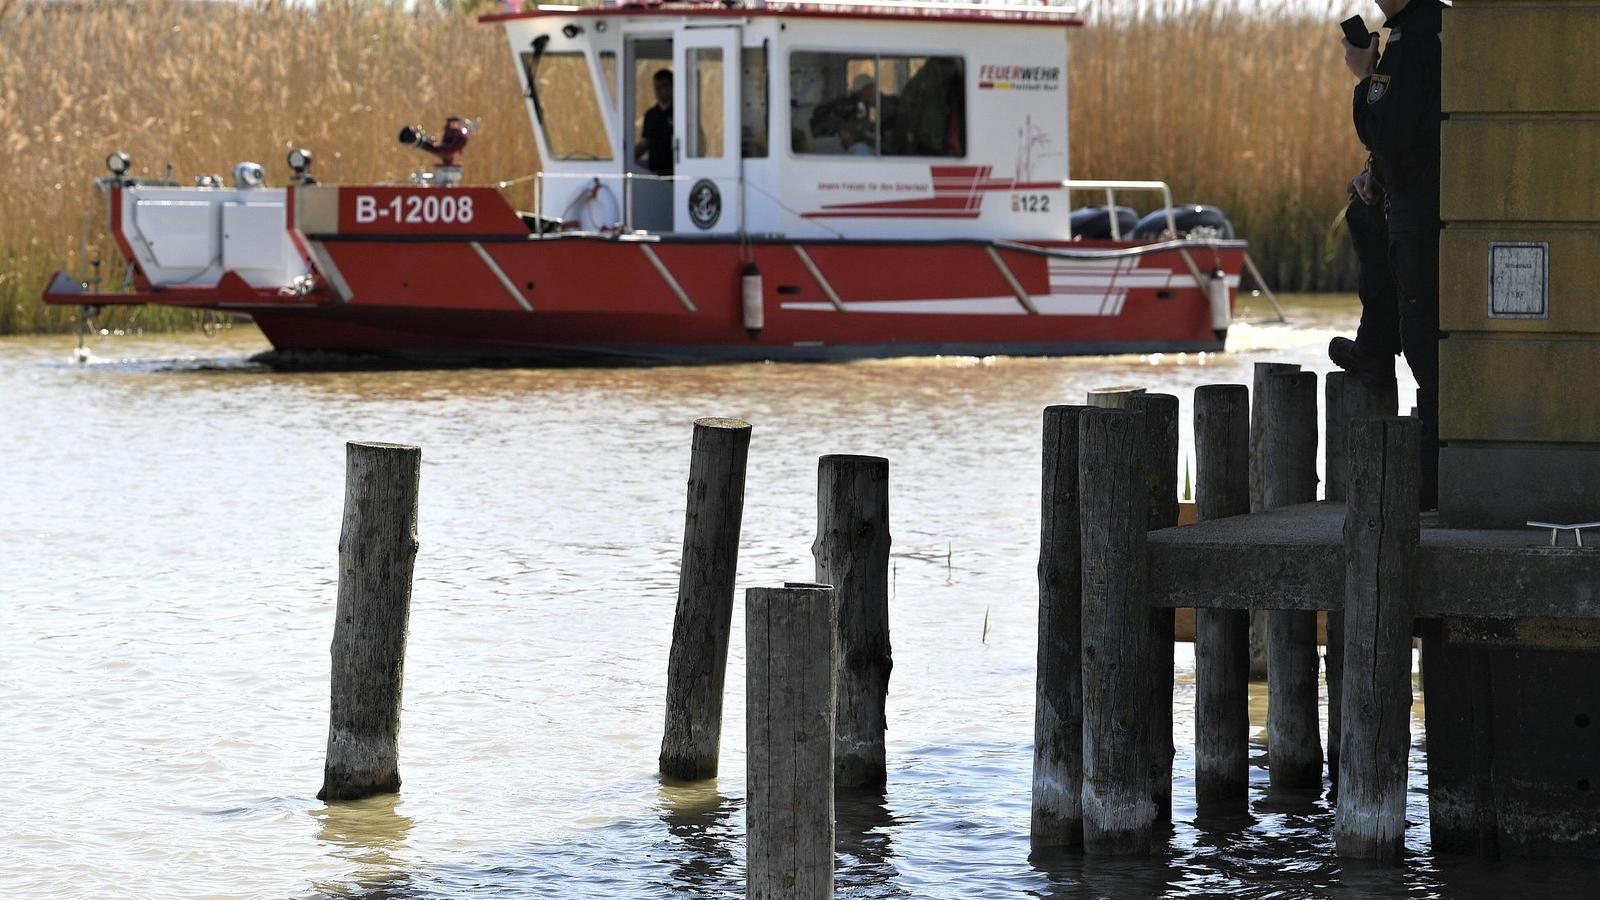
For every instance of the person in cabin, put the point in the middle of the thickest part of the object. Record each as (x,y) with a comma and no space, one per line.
(925,117)
(856,136)
(1397,112)
(852,115)
(654,148)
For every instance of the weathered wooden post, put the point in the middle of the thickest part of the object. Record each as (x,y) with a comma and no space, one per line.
(1118,812)
(1222,636)
(1347,398)
(1113,397)
(1381,533)
(1160,437)
(1289,476)
(852,555)
(377,550)
(1057,819)
(1259,422)
(1258,425)
(699,656)
(791,649)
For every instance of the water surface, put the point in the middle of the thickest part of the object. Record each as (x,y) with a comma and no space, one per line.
(169,517)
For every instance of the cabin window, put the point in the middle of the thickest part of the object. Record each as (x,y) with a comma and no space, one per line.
(567,105)
(753,99)
(704,96)
(853,104)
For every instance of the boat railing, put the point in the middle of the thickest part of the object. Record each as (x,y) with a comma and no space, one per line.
(598,181)
(1165,190)
(1023,9)
(1005,8)
(1111,188)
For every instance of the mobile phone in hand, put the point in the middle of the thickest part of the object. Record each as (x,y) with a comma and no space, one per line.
(1355,31)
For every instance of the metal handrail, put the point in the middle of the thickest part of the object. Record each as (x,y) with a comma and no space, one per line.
(1111,188)
(1047,7)
(627,179)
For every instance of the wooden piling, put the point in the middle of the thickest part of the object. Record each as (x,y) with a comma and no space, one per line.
(1288,475)
(698,662)
(852,555)
(1057,819)
(1258,421)
(1118,811)
(1381,533)
(1222,636)
(377,550)
(1346,398)
(1113,397)
(790,680)
(1160,437)
(1258,427)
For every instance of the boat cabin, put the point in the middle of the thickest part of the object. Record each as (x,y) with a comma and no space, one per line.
(804,120)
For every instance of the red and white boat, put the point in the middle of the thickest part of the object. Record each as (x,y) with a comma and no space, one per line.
(847,179)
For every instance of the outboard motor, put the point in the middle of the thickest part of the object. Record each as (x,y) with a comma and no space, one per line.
(1191,218)
(1093,223)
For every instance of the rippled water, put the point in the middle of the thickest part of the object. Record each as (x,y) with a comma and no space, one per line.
(169,516)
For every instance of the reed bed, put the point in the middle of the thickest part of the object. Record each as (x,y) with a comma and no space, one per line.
(1245,106)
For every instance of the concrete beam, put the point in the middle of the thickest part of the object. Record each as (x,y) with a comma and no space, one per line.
(1293,558)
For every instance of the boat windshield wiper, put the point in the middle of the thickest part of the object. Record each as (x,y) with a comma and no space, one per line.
(530,62)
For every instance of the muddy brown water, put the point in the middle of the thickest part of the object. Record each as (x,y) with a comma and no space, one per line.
(169,517)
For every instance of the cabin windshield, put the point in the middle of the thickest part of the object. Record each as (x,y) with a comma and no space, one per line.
(862,104)
(567,105)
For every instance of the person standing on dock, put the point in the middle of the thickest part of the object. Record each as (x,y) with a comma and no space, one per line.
(1377,342)
(1397,116)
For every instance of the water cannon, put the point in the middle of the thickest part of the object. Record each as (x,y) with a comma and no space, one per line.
(447,147)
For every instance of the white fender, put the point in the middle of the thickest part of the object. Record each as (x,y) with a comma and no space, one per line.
(751,300)
(1217,293)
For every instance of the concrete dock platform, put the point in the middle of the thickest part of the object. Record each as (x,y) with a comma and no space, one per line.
(1510,630)
(1293,558)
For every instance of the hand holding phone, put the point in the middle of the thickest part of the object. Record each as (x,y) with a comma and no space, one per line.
(1355,31)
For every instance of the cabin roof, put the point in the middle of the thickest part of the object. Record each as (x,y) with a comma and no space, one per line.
(977,13)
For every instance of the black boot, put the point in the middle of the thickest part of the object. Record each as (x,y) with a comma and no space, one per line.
(1347,355)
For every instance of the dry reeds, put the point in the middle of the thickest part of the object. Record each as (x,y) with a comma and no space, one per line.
(201,86)
(1244,106)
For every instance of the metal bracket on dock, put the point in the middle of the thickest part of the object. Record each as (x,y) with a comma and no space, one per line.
(1555,530)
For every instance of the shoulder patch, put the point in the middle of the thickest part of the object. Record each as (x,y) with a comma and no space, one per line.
(1377,88)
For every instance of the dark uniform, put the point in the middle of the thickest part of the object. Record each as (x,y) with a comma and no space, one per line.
(1378,336)
(1397,115)
(657,135)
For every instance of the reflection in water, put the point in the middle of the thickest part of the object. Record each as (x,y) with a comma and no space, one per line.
(1071,873)
(366,834)
(864,831)
(706,845)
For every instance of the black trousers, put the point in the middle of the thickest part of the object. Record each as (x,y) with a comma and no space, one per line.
(1379,332)
(1414,256)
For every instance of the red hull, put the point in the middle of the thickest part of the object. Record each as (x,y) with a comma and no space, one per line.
(574,298)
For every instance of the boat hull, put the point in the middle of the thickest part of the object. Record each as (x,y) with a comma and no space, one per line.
(580,300)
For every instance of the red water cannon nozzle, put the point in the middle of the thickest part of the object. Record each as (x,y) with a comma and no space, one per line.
(448,147)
